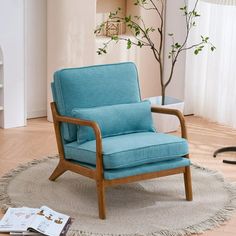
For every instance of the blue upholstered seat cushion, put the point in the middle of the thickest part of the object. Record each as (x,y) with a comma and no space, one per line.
(144,169)
(129,150)
(115,120)
(148,168)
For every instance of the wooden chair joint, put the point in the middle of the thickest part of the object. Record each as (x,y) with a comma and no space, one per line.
(173,112)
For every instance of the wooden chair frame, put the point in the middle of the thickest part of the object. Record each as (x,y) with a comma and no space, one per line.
(97,174)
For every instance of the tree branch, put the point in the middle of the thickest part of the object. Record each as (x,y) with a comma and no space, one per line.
(183,45)
(157,10)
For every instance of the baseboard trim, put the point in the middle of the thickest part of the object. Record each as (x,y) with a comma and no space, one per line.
(36,114)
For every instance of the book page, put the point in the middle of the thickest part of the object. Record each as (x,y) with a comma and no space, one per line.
(17,219)
(49,222)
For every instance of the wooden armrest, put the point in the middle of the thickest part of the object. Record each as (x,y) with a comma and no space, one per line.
(57,118)
(77,121)
(173,112)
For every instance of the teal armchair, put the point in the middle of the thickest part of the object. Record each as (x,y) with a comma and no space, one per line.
(105,132)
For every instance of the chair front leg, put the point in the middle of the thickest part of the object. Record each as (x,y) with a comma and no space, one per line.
(60,169)
(101,199)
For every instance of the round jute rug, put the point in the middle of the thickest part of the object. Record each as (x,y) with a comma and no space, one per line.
(154,207)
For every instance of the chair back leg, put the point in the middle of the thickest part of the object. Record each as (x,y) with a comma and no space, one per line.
(101,199)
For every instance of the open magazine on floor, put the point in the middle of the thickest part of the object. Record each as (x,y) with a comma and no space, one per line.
(41,220)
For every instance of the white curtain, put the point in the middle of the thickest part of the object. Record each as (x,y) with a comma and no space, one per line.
(210,86)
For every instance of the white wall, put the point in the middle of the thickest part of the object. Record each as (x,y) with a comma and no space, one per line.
(1,89)
(36,57)
(71,42)
(23,42)
(148,66)
(12,44)
(175,23)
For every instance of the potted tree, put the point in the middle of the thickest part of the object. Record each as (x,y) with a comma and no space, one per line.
(141,36)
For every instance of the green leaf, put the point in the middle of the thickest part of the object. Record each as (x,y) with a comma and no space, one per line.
(130,26)
(129,44)
(143,2)
(140,44)
(137,32)
(183,8)
(177,45)
(114,37)
(127,19)
(196,51)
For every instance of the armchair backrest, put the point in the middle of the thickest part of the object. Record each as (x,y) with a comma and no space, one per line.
(93,86)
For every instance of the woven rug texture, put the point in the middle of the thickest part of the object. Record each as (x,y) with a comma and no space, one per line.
(155,207)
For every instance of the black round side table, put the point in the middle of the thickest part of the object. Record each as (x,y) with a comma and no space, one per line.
(226,149)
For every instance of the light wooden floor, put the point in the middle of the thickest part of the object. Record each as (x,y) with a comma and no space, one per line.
(37,140)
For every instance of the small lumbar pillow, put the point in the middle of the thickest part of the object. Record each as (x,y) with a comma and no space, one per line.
(115,120)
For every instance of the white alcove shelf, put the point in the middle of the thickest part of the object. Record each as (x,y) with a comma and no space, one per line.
(117,51)
(103,9)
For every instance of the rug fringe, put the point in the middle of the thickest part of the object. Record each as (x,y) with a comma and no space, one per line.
(217,220)
(5,201)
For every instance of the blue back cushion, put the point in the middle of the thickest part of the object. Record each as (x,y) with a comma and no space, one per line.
(99,85)
(115,120)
